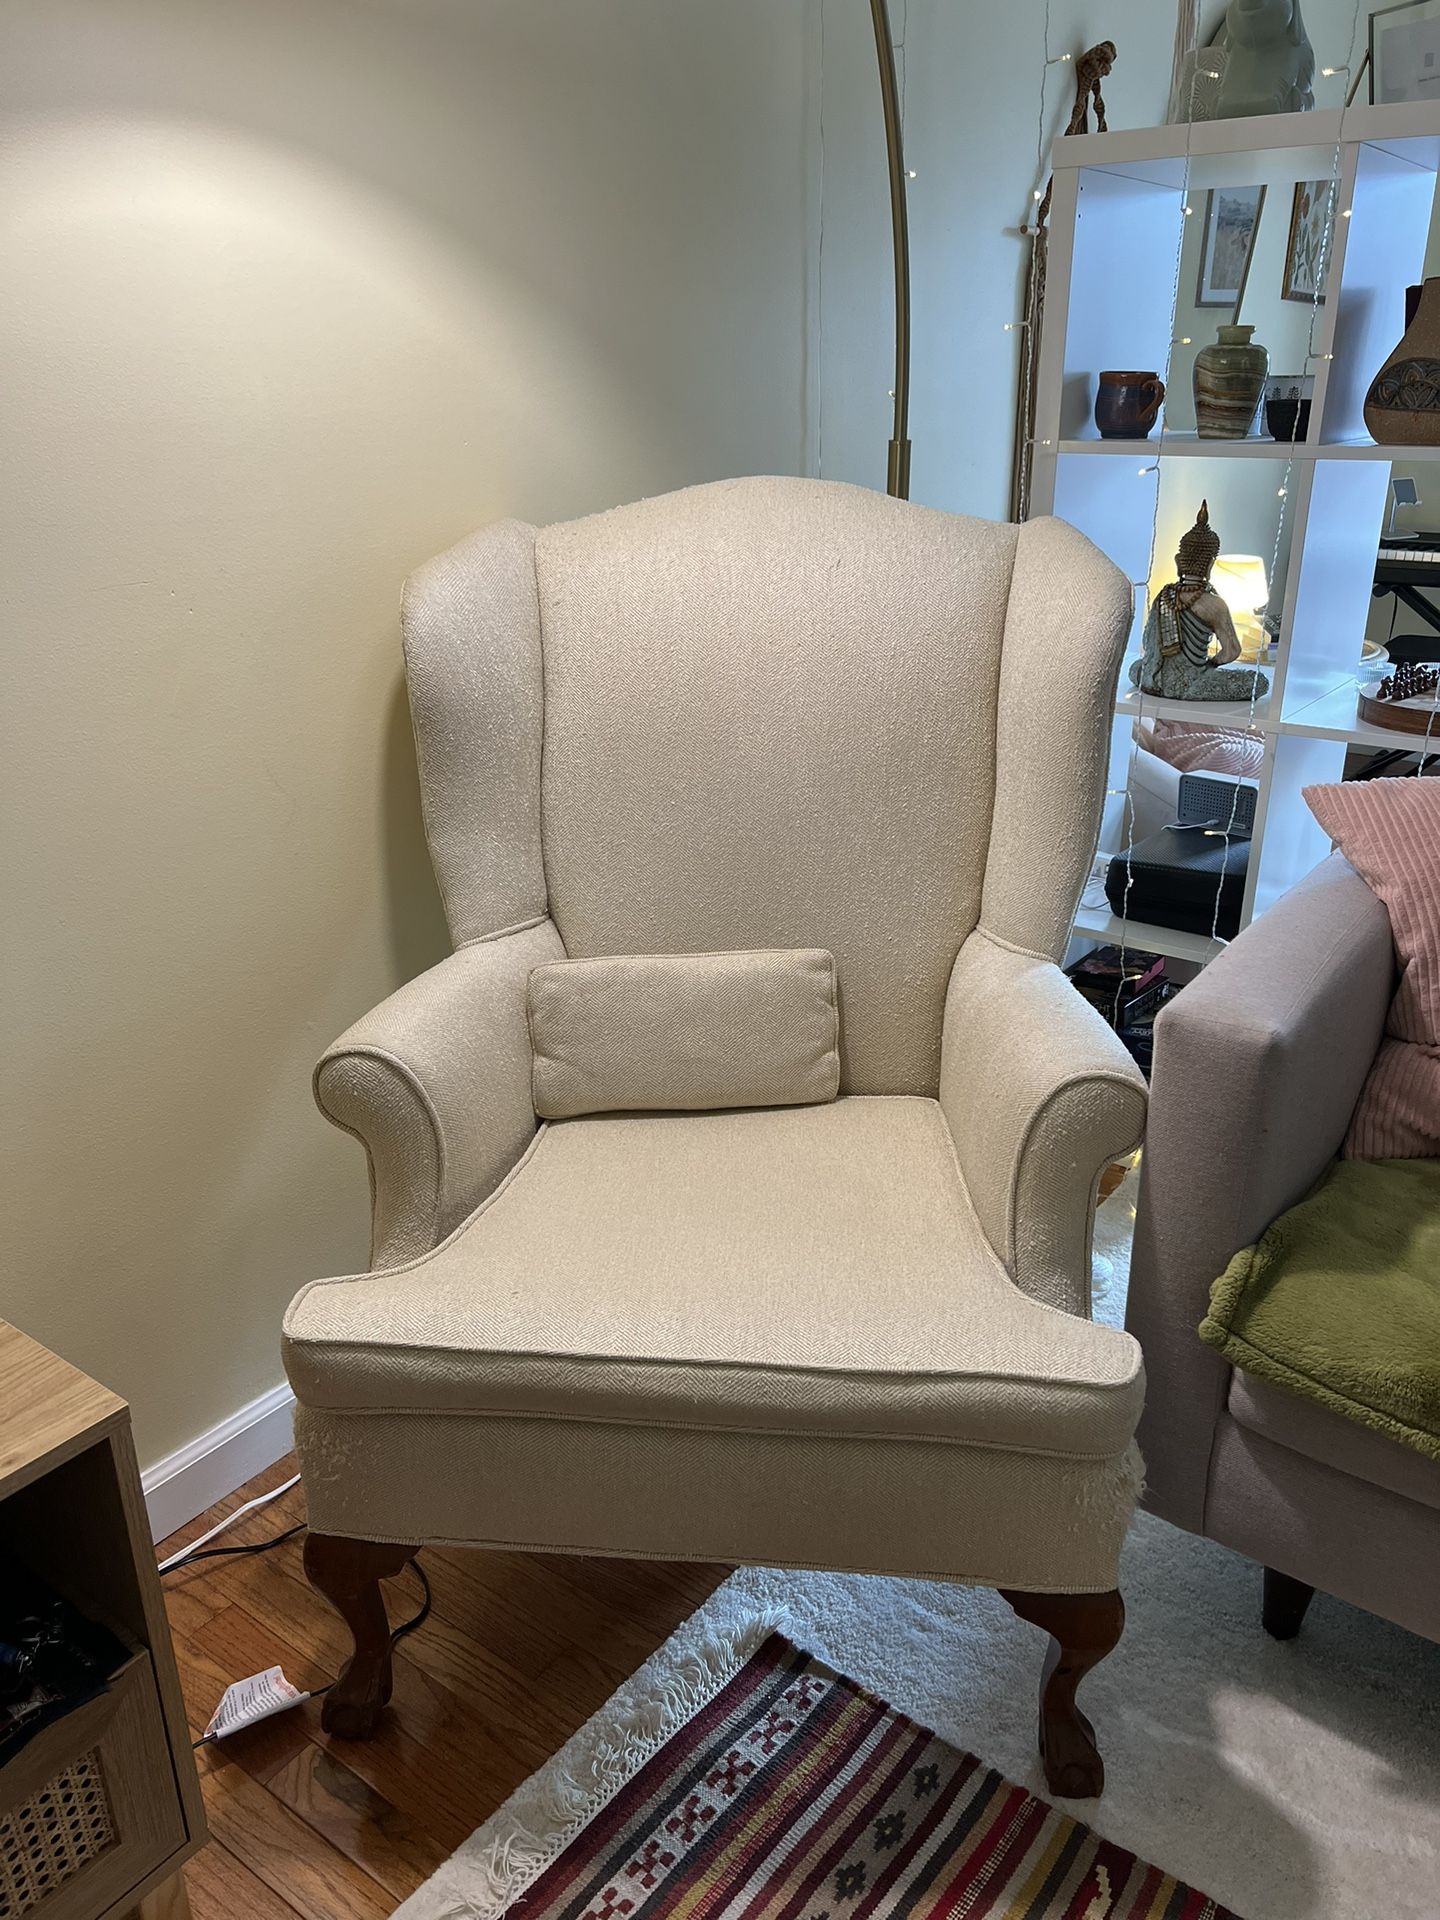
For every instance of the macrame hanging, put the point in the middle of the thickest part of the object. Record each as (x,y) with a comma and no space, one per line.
(1091,69)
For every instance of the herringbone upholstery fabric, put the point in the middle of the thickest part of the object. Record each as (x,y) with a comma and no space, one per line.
(757,716)
(684,1031)
(720,1270)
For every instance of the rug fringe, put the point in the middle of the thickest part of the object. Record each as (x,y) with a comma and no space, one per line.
(548,1810)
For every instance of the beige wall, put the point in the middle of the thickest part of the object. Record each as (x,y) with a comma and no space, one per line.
(292,294)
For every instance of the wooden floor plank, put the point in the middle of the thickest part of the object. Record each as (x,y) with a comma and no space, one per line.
(520,1650)
(234,1638)
(357,1821)
(510,1602)
(192,1594)
(229,1647)
(275,1591)
(436,1758)
(294,1861)
(223,1888)
(430,1758)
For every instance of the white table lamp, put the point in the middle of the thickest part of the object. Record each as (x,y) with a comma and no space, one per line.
(1241,582)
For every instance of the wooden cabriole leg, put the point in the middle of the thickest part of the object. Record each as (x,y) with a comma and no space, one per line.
(348,1573)
(1283,1607)
(1083,1628)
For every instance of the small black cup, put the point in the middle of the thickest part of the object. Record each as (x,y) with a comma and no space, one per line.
(1287,419)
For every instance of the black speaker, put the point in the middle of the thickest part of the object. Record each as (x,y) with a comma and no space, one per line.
(1175,877)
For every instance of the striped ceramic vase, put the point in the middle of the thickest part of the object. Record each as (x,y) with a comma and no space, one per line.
(1229,379)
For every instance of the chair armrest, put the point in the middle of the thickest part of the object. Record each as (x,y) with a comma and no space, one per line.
(1040,1097)
(435,1084)
(1258,1064)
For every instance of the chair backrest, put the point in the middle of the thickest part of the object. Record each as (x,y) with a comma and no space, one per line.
(771,713)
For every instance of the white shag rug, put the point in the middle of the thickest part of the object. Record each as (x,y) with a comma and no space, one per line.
(1295,1781)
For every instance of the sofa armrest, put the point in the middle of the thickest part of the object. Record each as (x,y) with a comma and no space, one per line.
(1258,1064)
(435,1084)
(1040,1097)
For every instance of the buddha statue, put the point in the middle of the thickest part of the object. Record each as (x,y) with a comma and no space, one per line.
(1187,619)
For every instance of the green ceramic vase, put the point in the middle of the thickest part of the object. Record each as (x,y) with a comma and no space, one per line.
(1229,380)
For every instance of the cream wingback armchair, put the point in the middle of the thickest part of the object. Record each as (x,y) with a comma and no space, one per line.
(749,718)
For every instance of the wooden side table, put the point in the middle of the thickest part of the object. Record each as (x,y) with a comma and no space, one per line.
(99,1810)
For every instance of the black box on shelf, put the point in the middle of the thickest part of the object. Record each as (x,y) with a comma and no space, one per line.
(1179,876)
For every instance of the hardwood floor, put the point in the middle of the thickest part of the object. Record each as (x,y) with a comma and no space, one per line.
(519,1651)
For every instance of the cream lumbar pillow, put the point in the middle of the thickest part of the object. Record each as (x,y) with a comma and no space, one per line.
(684,1031)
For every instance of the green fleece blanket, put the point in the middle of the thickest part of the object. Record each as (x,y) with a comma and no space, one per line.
(1340,1301)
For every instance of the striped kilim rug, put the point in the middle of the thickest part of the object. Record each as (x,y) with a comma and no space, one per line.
(795,1795)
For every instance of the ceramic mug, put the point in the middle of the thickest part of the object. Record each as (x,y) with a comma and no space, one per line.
(1287,417)
(1126,404)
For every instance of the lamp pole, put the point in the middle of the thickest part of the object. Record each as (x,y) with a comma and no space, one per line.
(897,480)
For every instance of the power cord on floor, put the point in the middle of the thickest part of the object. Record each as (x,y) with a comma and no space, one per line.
(224,1553)
(189,1557)
(261,1500)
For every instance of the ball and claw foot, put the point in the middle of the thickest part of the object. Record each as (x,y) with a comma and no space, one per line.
(1083,1629)
(348,1573)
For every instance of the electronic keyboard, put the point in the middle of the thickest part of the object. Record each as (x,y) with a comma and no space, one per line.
(1408,565)
(1411,561)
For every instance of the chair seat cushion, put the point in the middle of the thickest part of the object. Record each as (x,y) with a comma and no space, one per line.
(815,1269)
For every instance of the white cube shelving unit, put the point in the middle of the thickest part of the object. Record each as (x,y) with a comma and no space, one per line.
(1114,298)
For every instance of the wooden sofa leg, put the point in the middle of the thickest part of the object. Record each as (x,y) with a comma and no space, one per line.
(348,1573)
(1083,1628)
(1284,1604)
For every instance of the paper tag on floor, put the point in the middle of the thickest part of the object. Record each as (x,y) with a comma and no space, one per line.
(249,1701)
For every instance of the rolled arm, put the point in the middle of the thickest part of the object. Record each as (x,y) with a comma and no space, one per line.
(1040,1097)
(435,1084)
(1258,1064)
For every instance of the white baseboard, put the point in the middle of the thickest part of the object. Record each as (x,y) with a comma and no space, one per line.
(216,1463)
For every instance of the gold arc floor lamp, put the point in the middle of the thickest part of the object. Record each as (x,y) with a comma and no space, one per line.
(897,478)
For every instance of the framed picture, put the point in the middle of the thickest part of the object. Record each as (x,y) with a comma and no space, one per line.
(1405,52)
(1231,216)
(1306,249)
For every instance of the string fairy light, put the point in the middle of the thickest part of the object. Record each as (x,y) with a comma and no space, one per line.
(1141,588)
(1283,491)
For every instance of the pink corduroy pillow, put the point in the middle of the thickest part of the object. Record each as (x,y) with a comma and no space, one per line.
(1195,749)
(1389,831)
